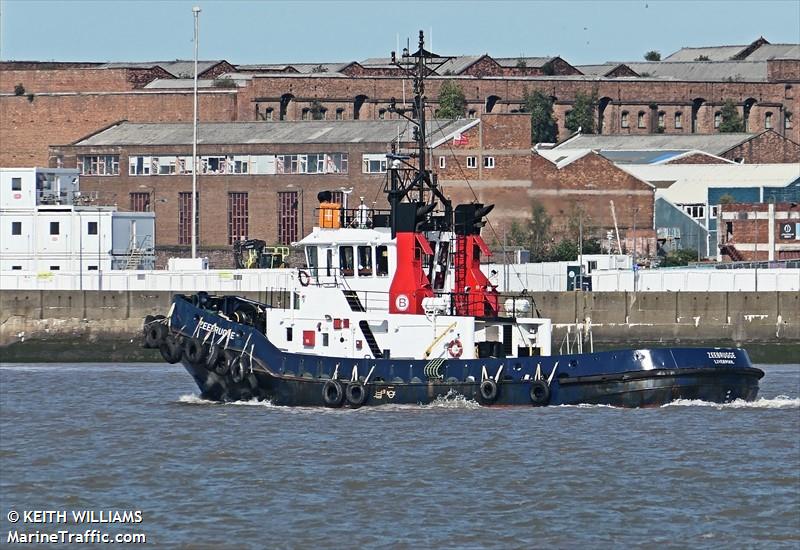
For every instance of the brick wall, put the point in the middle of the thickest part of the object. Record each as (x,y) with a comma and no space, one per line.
(587,185)
(27,128)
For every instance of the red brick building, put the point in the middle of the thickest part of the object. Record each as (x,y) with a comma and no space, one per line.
(65,101)
(760,231)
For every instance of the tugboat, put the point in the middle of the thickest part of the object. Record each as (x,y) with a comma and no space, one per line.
(392,307)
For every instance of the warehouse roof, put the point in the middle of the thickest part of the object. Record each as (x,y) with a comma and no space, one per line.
(690,182)
(237,133)
(701,71)
(715,144)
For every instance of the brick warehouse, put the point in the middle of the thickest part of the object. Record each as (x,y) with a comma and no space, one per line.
(246,187)
(767,231)
(680,97)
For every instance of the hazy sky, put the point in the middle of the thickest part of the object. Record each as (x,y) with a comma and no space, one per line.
(327,31)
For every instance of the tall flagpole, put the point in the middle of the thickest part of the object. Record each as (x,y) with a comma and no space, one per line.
(195,164)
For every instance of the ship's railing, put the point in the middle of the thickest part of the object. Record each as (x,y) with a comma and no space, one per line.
(332,216)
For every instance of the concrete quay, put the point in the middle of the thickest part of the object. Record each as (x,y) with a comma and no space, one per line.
(52,325)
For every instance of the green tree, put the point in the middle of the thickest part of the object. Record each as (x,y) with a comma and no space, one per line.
(679,257)
(731,119)
(19,89)
(652,55)
(543,122)
(582,113)
(452,102)
(539,224)
(317,110)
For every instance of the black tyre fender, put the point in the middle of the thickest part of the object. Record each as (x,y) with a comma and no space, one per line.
(237,369)
(154,333)
(213,356)
(332,393)
(488,390)
(223,365)
(194,351)
(170,349)
(540,393)
(356,394)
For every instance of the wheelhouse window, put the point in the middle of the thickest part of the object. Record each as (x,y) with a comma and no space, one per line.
(382,261)
(312,260)
(365,261)
(98,165)
(346,261)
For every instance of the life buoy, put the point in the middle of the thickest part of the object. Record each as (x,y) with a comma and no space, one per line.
(356,394)
(455,349)
(540,393)
(332,393)
(194,351)
(171,349)
(488,390)
(304,277)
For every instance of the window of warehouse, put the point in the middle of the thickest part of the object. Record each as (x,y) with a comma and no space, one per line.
(373,163)
(98,165)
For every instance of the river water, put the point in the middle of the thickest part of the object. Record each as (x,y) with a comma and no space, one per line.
(451,475)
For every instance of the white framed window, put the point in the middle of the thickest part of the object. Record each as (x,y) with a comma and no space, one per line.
(442,162)
(98,165)
(662,119)
(678,120)
(472,162)
(624,119)
(373,163)
(717,119)
(640,122)
(488,162)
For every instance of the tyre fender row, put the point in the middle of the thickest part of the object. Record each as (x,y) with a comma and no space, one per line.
(539,392)
(334,394)
(174,348)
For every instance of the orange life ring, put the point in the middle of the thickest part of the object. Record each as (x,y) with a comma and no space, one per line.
(303,277)
(455,349)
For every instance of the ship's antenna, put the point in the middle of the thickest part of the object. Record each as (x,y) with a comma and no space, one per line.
(417,66)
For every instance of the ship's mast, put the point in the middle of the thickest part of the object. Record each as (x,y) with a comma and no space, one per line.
(408,182)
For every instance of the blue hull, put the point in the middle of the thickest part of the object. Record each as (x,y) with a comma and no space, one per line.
(624,378)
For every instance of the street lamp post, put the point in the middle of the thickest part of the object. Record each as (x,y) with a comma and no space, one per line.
(196,12)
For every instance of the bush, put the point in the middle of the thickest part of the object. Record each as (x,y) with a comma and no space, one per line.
(678,258)
(19,89)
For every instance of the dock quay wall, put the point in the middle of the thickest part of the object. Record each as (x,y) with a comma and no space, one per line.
(106,325)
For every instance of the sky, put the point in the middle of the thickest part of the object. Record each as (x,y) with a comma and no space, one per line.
(260,31)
